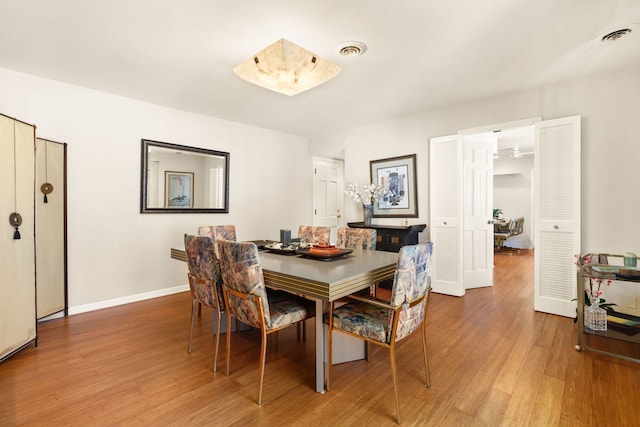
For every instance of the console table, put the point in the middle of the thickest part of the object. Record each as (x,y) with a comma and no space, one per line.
(391,238)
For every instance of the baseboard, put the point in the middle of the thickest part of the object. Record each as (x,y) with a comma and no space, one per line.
(126,300)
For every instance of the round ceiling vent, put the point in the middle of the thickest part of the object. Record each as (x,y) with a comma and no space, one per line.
(352,48)
(616,32)
(615,35)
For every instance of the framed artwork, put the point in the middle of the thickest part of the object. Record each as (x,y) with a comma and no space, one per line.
(178,189)
(398,176)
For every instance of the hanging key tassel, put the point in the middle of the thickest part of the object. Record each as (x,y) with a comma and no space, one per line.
(16,221)
(46,188)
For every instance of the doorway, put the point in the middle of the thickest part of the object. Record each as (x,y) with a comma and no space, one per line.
(556,210)
(327,194)
(513,178)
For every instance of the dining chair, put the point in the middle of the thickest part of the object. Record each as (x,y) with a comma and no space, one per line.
(386,323)
(312,235)
(356,238)
(226,232)
(205,282)
(249,301)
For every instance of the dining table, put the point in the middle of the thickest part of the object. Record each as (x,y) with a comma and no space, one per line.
(322,280)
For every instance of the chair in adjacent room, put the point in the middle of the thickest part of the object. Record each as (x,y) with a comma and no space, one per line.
(248,300)
(386,323)
(312,235)
(502,233)
(515,228)
(205,282)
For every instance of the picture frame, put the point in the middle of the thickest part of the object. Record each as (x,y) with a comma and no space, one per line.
(178,189)
(398,176)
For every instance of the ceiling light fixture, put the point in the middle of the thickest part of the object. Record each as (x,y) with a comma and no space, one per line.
(286,68)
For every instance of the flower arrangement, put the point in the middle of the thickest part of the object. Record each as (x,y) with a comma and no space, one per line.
(367,194)
(593,293)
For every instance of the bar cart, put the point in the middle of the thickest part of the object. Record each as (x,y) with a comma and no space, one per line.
(607,332)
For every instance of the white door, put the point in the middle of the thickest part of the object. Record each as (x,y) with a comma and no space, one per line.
(557,214)
(445,202)
(477,206)
(327,193)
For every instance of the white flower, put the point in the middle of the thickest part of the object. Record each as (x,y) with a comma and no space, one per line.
(366,194)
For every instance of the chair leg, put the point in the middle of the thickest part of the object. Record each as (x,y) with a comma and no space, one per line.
(215,356)
(424,350)
(193,318)
(394,375)
(263,357)
(228,349)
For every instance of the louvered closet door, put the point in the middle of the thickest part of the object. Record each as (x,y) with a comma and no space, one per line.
(445,218)
(557,214)
(17,264)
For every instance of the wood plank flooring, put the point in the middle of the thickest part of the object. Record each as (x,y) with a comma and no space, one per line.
(494,362)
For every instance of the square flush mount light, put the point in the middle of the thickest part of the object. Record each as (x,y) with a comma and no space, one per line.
(287,68)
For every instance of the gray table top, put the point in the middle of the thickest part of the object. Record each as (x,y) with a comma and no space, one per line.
(328,279)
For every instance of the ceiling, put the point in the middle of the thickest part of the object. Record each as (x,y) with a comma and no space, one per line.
(422,54)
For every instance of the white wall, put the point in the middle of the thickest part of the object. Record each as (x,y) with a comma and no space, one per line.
(114,251)
(608,104)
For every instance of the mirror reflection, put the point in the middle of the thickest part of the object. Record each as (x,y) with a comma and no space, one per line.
(181,179)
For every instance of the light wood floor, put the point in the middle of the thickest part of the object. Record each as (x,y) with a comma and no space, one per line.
(494,361)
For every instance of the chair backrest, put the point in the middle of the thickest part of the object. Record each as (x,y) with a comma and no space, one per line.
(356,238)
(226,232)
(312,235)
(519,226)
(242,272)
(411,282)
(205,280)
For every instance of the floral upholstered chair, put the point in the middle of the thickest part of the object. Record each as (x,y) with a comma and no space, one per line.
(356,238)
(226,232)
(250,302)
(383,323)
(205,282)
(311,235)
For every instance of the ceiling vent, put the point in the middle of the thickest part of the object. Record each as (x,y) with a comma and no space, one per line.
(352,48)
(615,35)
